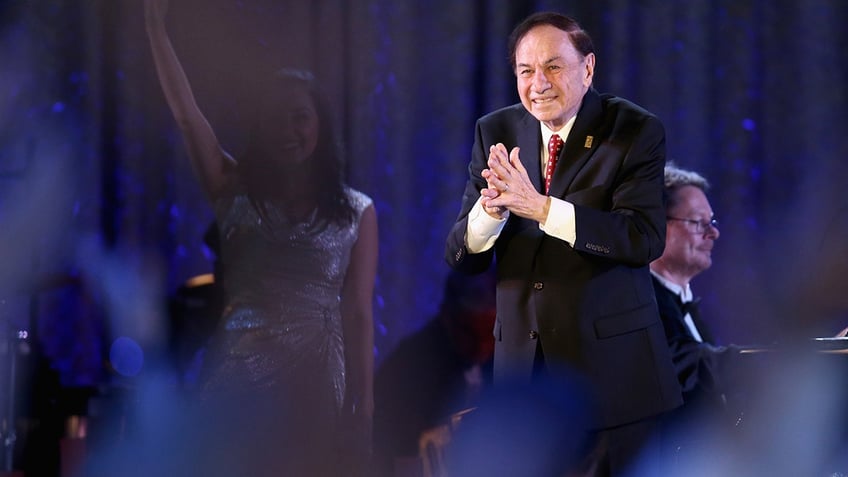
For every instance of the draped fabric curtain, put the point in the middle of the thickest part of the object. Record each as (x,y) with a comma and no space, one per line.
(752,94)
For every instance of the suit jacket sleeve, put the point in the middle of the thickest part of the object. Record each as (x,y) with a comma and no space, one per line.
(456,252)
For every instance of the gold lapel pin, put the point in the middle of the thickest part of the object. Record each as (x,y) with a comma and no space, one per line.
(588,143)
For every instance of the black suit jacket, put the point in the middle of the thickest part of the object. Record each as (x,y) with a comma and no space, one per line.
(591,305)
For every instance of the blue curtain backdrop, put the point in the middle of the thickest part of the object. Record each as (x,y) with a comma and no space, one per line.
(101,219)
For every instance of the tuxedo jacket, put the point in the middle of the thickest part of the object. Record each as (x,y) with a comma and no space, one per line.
(709,374)
(591,306)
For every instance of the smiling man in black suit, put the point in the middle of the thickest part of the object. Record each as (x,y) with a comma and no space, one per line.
(565,190)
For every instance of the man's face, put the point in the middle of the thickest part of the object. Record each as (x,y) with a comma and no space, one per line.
(552,76)
(688,245)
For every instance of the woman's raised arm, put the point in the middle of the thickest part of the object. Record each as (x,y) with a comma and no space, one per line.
(208,159)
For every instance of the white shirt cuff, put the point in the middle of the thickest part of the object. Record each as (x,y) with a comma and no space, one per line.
(560,222)
(483,229)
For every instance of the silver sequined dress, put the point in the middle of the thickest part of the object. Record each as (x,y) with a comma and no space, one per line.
(281,329)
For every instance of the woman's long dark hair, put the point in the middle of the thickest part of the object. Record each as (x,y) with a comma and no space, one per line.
(326,164)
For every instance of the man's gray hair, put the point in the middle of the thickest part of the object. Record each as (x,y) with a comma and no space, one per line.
(675,178)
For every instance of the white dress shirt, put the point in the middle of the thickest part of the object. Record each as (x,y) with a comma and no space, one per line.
(685,295)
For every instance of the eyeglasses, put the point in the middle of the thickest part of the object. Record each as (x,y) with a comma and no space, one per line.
(697,226)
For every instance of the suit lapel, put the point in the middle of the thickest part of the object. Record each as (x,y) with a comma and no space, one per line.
(579,146)
(529,140)
(695,312)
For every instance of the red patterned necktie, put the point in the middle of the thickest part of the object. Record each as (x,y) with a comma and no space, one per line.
(554,146)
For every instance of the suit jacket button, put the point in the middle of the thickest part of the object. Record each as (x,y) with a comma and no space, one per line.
(534,335)
(538,285)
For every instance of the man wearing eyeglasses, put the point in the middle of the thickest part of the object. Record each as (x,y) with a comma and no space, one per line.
(707,373)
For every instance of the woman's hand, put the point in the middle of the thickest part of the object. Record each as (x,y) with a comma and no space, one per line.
(355,434)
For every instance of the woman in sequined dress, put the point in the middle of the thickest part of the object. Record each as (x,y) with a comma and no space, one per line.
(290,366)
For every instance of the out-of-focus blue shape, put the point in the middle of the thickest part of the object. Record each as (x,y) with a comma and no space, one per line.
(126,356)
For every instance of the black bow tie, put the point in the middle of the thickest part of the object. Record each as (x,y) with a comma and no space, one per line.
(690,307)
